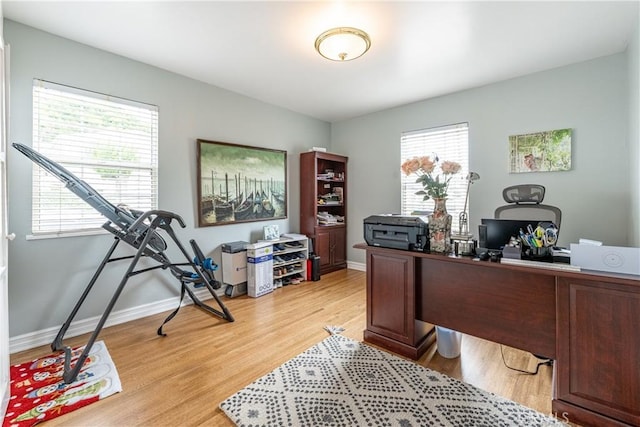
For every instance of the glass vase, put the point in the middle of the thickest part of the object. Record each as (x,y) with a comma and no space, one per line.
(440,228)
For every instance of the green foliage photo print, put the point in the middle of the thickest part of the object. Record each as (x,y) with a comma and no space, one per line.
(546,151)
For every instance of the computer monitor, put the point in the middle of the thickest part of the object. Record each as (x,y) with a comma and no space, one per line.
(494,234)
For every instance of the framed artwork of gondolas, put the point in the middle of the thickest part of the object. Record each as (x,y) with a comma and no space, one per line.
(239,183)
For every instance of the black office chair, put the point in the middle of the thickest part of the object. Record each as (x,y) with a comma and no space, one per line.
(525,203)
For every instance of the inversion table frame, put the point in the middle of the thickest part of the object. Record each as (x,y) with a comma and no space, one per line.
(140,230)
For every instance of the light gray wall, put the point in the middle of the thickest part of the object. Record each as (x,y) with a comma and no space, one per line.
(590,97)
(47,276)
(633,52)
(598,99)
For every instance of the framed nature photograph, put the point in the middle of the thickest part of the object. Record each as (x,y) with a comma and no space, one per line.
(239,183)
(271,232)
(547,151)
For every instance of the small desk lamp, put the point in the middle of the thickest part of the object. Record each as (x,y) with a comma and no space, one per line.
(463,241)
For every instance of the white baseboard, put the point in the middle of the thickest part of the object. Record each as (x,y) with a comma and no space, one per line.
(357,266)
(46,336)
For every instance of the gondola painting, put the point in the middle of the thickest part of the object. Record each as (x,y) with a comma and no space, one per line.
(239,183)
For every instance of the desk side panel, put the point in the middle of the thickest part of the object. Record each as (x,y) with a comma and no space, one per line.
(391,321)
(390,295)
(599,363)
(490,301)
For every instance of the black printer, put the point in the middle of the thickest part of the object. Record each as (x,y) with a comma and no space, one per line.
(410,233)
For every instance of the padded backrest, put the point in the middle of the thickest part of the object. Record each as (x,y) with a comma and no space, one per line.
(535,212)
(524,193)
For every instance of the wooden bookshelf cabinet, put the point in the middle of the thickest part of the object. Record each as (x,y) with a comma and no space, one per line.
(323,206)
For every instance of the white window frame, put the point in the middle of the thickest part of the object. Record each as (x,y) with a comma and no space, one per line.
(110,143)
(450,142)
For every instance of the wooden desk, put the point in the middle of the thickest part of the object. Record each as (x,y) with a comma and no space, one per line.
(588,322)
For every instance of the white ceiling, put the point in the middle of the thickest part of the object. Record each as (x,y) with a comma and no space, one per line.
(264,49)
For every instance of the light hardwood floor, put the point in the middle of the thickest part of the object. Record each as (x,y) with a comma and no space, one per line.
(179,380)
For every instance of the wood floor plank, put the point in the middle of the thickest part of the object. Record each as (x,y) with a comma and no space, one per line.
(180,379)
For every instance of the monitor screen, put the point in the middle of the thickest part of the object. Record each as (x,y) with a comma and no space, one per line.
(499,231)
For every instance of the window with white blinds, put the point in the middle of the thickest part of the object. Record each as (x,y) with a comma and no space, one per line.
(447,143)
(110,143)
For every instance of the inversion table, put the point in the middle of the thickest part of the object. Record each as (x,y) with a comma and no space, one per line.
(142,231)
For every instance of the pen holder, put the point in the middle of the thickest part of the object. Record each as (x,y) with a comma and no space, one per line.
(541,253)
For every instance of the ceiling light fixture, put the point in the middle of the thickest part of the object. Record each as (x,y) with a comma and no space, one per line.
(343,43)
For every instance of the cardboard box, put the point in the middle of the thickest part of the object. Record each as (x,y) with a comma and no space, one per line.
(259,269)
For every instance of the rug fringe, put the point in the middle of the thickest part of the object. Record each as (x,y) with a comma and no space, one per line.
(334,330)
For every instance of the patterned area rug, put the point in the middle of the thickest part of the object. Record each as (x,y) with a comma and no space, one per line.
(39,394)
(342,382)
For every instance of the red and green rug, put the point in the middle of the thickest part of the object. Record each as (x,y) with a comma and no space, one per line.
(39,394)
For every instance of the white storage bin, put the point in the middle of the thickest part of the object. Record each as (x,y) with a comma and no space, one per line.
(259,269)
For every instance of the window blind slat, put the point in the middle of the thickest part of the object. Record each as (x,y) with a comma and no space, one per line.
(447,143)
(111,143)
